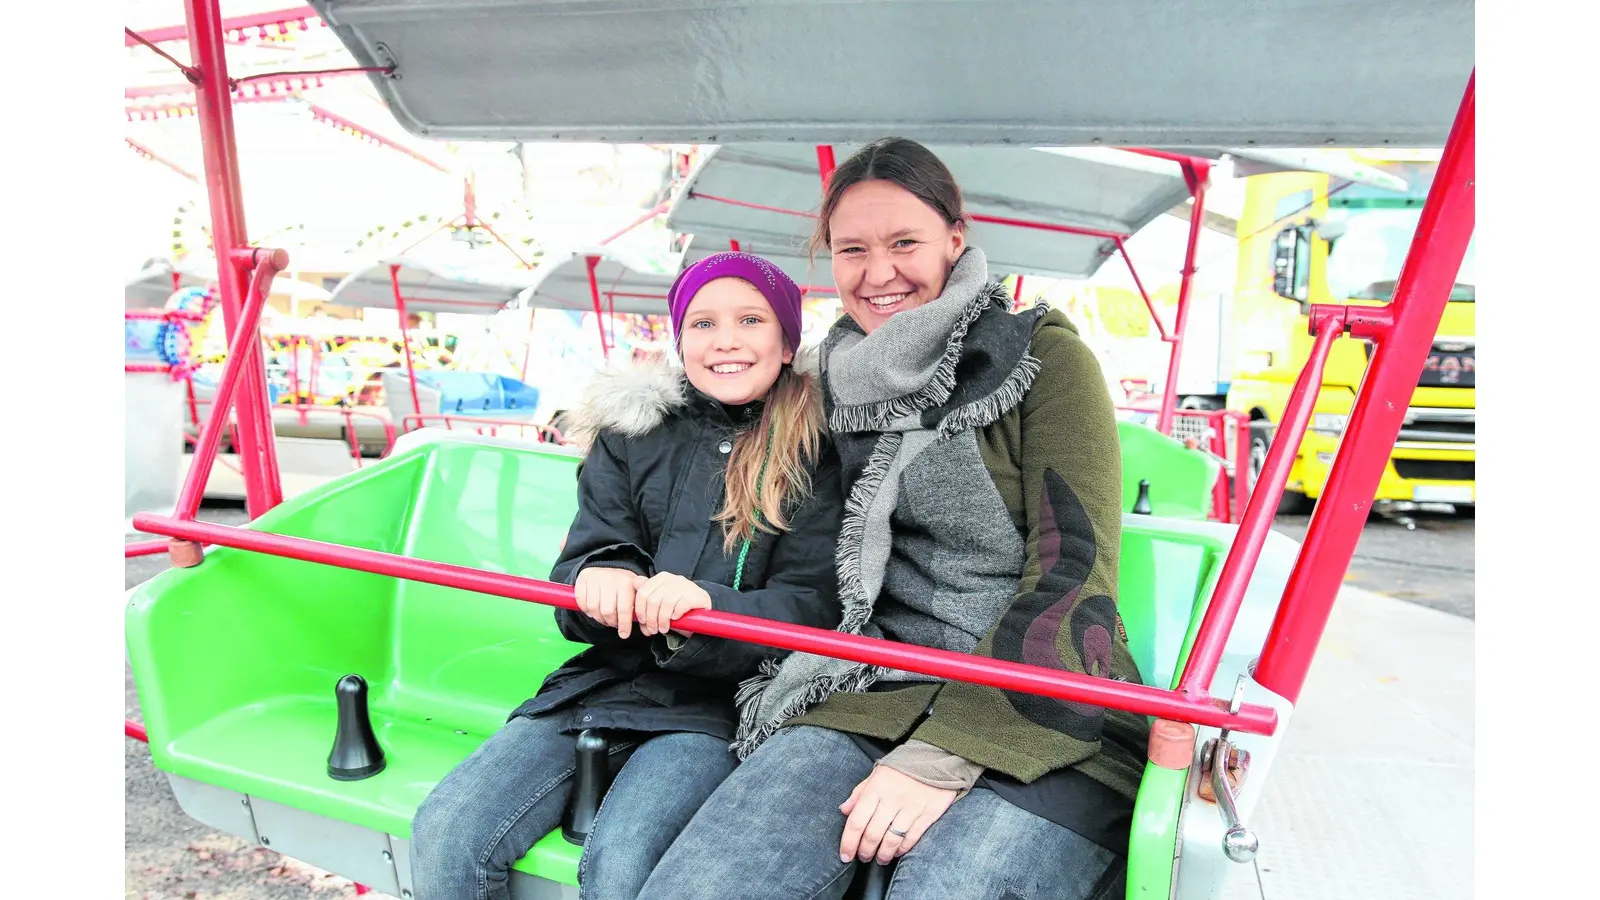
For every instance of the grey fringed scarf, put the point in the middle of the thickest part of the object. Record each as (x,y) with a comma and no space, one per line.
(924,380)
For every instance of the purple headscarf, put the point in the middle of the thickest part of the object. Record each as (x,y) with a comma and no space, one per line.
(782,294)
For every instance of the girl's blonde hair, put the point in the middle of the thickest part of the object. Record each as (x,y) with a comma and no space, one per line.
(769,467)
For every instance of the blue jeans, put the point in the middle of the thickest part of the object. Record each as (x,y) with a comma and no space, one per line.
(512,790)
(772,831)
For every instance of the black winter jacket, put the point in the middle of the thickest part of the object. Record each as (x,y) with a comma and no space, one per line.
(649,484)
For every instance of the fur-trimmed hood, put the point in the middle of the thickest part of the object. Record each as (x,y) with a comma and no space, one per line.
(633,399)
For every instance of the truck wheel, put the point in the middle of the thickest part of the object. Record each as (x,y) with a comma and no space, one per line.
(1292,503)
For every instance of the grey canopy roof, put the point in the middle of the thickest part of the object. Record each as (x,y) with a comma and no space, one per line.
(150,288)
(626,284)
(1196,73)
(433,287)
(1109,190)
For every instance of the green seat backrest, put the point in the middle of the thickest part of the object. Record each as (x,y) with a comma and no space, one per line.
(466,659)
(1181,480)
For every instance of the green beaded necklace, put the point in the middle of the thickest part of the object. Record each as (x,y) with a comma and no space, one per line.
(744,549)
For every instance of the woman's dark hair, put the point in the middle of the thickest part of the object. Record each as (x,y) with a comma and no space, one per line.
(903,162)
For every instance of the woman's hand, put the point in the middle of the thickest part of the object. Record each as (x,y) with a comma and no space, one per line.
(665,597)
(888,813)
(606,595)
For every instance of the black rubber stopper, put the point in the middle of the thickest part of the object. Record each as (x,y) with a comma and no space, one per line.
(356,754)
(589,783)
(871,881)
(1141,506)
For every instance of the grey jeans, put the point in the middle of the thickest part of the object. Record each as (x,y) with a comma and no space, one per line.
(512,790)
(772,831)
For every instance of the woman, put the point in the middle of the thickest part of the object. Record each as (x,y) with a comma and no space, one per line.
(704,487)
(983,515)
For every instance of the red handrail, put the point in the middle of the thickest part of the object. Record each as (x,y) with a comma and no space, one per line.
(1069,686)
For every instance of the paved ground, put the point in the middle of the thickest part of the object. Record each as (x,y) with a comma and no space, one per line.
(171,857)
(1430,566)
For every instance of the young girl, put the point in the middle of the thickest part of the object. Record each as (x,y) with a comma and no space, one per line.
(705,487)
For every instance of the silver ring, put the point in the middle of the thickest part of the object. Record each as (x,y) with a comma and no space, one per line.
(900,833)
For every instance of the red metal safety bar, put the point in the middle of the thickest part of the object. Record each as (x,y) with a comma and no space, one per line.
(1403,334)
(1258,515)
(1069,686)
(485,426)
(244,359)
(135,549)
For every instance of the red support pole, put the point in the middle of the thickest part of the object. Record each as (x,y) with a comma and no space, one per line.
(1228,595)
(1016,301)
(134,729)
(599,315)
(1197,178)
(1426,280)
(734,246)
(405,335)
(229,234)
(1161,328)
(1241,463)
(1004,674)
(825,165)
(658,210)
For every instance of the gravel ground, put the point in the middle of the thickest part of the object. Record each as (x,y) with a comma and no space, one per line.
(171,857)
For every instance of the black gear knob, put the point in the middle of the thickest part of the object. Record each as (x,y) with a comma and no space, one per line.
(356,754)
(1141,506)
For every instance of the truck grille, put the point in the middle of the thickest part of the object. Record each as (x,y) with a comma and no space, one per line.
(1434,470)
(1439,425)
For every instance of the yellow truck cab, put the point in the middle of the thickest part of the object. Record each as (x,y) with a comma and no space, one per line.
(1306,238)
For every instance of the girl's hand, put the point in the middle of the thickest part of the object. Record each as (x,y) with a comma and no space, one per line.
(607,596)
(664,598)
(886,802)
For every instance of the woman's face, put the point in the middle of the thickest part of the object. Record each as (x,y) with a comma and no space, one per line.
(732,344)
(891,252)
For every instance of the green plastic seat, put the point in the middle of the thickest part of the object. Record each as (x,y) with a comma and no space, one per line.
(236,659)
(1181,480)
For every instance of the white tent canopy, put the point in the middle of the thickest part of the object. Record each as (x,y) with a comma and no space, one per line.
(1118,192)
(433,287)
(1200,73)
(626,284)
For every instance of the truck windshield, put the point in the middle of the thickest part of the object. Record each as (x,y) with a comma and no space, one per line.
(1364,263)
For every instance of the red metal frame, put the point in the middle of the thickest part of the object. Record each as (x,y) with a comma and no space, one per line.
(483,425)
(302,16)
(151,155)
(1403,333)
(590,263)
(263,486)
(244,358)
(1196,174)
(143,548)
(405,334)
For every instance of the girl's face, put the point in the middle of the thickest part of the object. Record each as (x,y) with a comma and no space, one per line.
(891,252)
(732,344)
